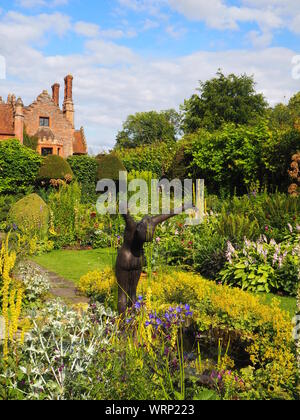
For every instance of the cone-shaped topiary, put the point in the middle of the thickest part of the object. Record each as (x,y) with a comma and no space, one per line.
(30,215)
(55,167)
(109,166)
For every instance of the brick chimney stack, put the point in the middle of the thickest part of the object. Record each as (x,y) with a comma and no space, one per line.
(19,119)
(68,106)
(55,93)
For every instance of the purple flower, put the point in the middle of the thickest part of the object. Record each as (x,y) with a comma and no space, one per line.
(137,305)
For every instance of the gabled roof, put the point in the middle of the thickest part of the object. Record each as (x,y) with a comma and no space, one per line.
(79,143)
(7,119)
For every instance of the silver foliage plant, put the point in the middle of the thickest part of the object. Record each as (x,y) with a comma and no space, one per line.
(35,281)
(60,347)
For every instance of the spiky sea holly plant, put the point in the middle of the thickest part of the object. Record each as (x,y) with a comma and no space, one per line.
(60,346)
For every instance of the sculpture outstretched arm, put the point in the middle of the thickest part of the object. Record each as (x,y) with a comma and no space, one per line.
(156,220)
(130,223)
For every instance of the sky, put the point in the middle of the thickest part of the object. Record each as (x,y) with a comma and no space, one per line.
(130,56)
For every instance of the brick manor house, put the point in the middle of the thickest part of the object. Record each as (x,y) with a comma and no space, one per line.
(54,127)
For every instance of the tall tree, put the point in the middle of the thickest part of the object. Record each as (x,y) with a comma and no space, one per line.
(222,100)
(146,128)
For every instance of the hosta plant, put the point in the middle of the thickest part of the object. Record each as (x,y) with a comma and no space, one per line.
(262,266)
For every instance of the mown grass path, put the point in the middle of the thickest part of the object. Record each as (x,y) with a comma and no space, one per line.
(62,288)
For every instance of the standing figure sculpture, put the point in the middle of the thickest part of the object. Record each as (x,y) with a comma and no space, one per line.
(131,258)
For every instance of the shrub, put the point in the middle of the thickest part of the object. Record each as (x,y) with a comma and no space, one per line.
(98,284)
(109,166)
(30,215)
(19,167)
(85,170)
(262,332)
(54,168)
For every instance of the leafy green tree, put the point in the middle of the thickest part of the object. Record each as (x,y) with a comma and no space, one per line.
(277,152)
(145,128)
(222,100)
(280,117)
(229,159)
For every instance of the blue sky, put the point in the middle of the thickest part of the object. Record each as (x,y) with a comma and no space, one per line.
(136,55)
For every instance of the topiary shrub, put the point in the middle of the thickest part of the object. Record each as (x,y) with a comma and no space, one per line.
(19,167)
(109,166)
(55,168)
(85,170)
(30,215)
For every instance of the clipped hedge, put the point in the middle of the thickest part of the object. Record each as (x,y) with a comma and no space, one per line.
(54,167)
(157,159)
(85,170)
(19,167)
(30,215)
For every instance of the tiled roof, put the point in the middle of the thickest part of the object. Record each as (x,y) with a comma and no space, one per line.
(79,144)
(6,119)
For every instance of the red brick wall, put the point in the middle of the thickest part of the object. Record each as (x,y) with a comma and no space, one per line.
(60,126)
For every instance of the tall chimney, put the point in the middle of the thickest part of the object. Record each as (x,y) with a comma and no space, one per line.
(19,120)
(55,93)
(68,106)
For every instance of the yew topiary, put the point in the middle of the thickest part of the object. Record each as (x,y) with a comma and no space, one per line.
(30,215)
(109,166)
(55,168)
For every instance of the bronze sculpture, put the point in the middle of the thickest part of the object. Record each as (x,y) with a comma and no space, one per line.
(131,259)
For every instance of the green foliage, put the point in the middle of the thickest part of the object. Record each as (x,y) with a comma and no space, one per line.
(222,100)
(30,216)
(19,167)
(277,151)
(54,167)
(263,266)
(85,170)
(109,166)
(182,160)
(235,227)
(6,201)
(30,141)
(64,205)
(280,117)
(229,159)
(146,128)
(157,158)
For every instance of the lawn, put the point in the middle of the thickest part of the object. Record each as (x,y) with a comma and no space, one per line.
(72,265)
(287,303)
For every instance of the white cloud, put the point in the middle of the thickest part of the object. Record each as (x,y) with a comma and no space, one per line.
(41,3)
(111,81)
(89,30)
(219,15)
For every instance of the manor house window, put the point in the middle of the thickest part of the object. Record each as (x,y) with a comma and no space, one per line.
(44,122)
